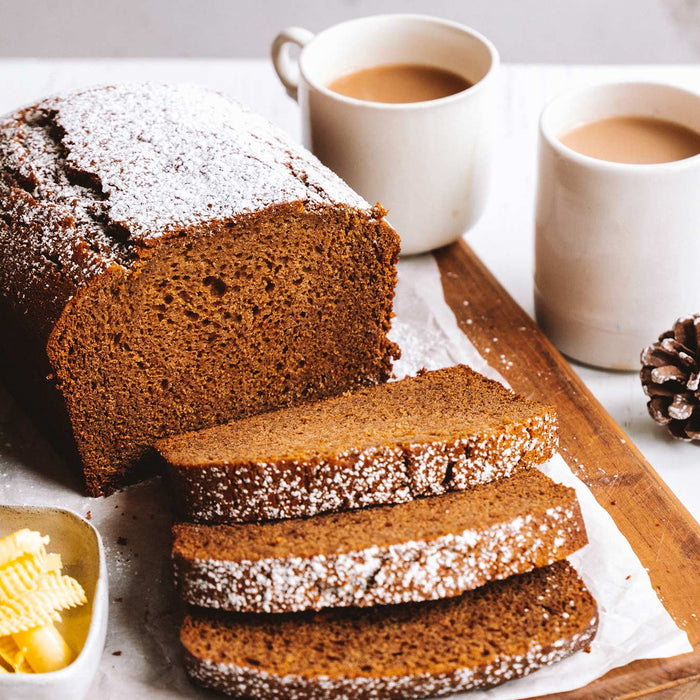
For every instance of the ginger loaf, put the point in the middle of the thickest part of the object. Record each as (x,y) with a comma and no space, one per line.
(440,431)
(428,548)
(171,261)
(495,633)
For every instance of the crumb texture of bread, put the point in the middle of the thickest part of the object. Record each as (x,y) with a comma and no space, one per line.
(172,261)
(428,548)
(496,633)
(444,430)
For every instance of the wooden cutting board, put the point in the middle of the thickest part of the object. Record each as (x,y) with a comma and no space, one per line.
(665,537)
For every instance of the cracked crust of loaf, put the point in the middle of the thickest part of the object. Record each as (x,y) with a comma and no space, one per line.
(513,627)
(102,187)
(430,548)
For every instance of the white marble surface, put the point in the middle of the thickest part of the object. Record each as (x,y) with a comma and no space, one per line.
(503,238)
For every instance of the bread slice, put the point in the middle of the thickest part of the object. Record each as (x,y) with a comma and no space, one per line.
(498,632)
(440,431)
(425,549)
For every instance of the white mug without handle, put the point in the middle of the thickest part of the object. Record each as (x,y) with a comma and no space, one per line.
(617,245)
(429,162)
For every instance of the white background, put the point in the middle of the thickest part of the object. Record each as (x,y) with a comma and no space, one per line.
(527,31)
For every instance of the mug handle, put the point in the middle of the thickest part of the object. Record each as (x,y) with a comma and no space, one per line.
(281,60)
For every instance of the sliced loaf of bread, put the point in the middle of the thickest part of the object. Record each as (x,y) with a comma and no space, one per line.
(440,431)
(495,633)
(428,548)
(169,261)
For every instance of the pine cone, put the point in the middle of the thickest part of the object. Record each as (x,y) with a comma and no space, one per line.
(671,377)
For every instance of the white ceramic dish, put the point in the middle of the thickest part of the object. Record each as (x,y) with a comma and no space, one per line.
(84,628)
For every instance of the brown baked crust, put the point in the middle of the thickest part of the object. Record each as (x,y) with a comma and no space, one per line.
(429,548)
(444,430)
(153,240)
(498,632)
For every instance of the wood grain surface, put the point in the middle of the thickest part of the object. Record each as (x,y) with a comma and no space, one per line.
(665,537)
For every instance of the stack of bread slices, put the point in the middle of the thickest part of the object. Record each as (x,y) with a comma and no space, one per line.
(394,542)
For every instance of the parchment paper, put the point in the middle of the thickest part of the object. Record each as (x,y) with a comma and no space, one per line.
(142,656)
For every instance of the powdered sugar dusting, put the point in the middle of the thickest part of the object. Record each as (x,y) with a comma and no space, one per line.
(246,681)
(357,478)
(380,575)
(173,156)
(559,636)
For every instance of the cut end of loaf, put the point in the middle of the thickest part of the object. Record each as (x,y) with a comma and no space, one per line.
(223,323)
(501,631)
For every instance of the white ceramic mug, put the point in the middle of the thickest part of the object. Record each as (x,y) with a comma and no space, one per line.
(428,163)
(617,245)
